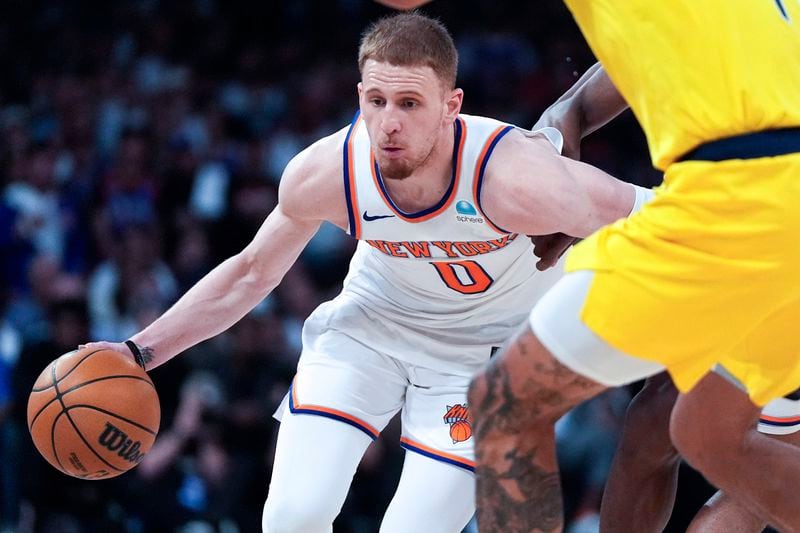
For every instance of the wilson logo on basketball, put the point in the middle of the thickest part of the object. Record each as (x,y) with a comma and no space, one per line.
(460,422)
(118,441)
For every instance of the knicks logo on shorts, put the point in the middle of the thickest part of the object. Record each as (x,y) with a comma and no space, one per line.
(460,422)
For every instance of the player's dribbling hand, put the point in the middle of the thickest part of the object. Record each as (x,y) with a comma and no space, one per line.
(103,345)
(549,248)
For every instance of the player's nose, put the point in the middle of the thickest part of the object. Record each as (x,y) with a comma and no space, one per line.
(390,122)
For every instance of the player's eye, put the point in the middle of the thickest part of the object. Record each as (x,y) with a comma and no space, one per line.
(377,102)
(410,104)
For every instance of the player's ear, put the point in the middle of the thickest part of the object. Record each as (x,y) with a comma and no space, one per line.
(453,104)
(360,89)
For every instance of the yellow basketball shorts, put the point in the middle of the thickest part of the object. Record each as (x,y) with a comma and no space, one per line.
(708,272)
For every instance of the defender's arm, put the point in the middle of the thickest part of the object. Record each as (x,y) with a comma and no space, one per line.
(589,104)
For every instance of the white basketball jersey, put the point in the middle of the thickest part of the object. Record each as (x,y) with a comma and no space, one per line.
(442,286)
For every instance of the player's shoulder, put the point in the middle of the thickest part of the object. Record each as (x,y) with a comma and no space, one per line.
(312,181)
(546,139)
(317,163)
(519,152)
(512,136)
(481,121)
(518,173)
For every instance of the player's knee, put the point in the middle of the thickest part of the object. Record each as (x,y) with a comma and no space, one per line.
(686,438)
(295,515)
(714,428)
(704,442)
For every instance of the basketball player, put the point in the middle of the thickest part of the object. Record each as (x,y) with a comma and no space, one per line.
(641,488)
(700,282)
(440,278)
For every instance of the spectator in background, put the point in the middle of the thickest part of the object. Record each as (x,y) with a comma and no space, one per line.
(131,286)
(191,464)
(10,348)
(34,196)
(47,284)
(129,191)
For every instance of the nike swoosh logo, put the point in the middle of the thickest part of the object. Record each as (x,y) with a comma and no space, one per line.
(370,218)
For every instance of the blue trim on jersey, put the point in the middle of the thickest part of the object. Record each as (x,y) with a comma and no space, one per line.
(483,169)
(447,194)
(779,423)
(351,214)
(753,145)
(332,416)
(783,9)
(447,460)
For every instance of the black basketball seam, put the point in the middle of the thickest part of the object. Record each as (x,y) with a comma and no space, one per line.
(104,378)
(78,386)
(70,371)
(115,415)
(74,426)
(55,451)
(53,426)
(36,416)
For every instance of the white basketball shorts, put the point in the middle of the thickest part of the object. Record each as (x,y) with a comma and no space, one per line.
(345,380)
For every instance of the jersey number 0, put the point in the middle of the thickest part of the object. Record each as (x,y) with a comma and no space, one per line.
(466,277)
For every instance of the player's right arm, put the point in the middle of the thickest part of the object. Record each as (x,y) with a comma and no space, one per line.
(311,192)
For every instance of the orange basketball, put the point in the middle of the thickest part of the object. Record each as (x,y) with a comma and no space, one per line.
(93,414)
(460,431)
(403,4)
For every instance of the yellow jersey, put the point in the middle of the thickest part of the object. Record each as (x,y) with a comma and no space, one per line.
(694,71)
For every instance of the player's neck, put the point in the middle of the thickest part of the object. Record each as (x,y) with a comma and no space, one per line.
(426,186)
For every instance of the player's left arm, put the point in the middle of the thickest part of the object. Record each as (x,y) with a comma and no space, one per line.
(531,189)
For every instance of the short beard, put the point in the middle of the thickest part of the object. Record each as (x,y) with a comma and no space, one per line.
(396,170)
(400,170)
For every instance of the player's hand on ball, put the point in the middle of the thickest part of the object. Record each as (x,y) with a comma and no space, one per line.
(120,347)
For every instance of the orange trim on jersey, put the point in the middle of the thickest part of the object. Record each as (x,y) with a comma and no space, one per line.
(479,168)
(784,419)
(444,203)
(297,407)
(437,454)
(353,199)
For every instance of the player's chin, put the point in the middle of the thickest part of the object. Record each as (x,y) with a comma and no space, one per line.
(395,169)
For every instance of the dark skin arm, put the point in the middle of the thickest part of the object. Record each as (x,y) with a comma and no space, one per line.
(589,104)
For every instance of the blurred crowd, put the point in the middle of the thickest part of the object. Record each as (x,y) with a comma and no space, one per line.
(141,143)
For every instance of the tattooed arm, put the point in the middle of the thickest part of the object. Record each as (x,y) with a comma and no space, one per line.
(515,403)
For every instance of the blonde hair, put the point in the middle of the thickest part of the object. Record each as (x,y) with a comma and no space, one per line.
(411,39)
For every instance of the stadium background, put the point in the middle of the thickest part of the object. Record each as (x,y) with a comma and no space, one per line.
(140,144)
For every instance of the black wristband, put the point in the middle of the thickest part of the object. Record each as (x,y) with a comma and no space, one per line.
(137,353)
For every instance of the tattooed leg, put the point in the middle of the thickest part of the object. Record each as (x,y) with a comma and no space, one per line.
(515,402)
